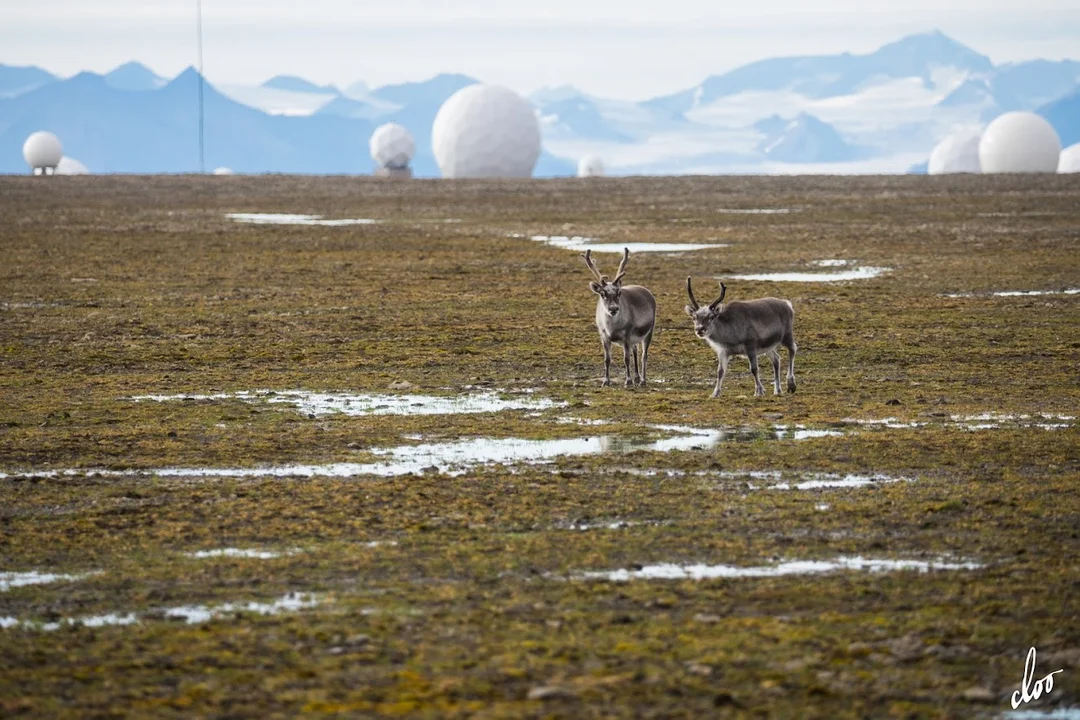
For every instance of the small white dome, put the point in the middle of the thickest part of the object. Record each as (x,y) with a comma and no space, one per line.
(70,166)
(42,150)
(223,171)
(957,153)
(1070,159)
(486,131)
(392,146)
(590,166)
(1019,142)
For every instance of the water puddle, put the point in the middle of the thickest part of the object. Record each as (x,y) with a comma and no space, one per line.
(800,432)
(457,457)
(452,458)
(803,480)
(10,580)
(983,421)
(190,614)
(579,244)
(998,421)
(862,273)
(28,305)
(889,422)
(1072,713)
(608,524)
(92,621)
(291,602)
(314,403)
(671,571)
(1015,293)
(290,219)
(825,482)
(754,211)
(239,553)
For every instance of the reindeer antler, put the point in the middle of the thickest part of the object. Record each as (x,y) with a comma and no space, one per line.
(723,292)
(622,266)
(592,266)
(690,292)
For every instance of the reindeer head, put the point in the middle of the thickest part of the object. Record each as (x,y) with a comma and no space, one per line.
(703,316)
(609,292)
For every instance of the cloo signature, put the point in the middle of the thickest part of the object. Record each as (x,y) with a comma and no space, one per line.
(1029,691)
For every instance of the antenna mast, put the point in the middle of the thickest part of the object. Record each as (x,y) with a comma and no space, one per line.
(198,25)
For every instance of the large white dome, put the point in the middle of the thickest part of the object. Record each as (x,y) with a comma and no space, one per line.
(590,166)
(1070,159)
(70,166)
(1019,142)
(392,146)
(958,153)
(42,150)
(486,131)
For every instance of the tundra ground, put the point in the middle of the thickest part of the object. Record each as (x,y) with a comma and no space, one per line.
(458,590)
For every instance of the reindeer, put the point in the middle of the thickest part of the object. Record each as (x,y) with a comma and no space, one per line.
(624,315)
(746,328)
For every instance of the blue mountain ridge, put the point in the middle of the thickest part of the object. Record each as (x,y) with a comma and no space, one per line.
(1064,115)
(130,120)
(134,76)
(16,80)
(155,131)
(293,83)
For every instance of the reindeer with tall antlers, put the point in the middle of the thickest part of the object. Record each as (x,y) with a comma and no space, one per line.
(746,328)
(624,315)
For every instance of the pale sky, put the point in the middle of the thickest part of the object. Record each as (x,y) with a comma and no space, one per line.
(625,49)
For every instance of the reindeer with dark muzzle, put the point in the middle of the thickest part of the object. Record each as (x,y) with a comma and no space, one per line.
(746,328)
(624,315)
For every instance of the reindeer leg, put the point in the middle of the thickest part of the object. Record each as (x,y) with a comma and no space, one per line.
(721,368)
(789,343)
(607,360)
(645,354)
(759,389)
(775,357)
(634,352)
(626,352)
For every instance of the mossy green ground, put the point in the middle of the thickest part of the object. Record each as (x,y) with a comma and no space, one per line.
(118,286)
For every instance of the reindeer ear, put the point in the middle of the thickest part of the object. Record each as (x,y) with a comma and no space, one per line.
(689,311)
(595,287)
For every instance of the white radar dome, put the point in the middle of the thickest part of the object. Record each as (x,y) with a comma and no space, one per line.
(958,153)
(486,131)
(392,146)
(1019,142)
(223,171)
(1070,159)
(590,166)
(42,150)
(70,166)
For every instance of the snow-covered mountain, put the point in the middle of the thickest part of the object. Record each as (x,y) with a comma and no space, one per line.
(292,83)
(876,112)
(805,139)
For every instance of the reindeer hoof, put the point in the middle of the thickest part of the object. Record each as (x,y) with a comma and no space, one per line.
(715,394)
(606,383)
(791,386)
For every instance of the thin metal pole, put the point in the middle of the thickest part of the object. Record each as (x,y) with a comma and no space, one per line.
(198,23)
